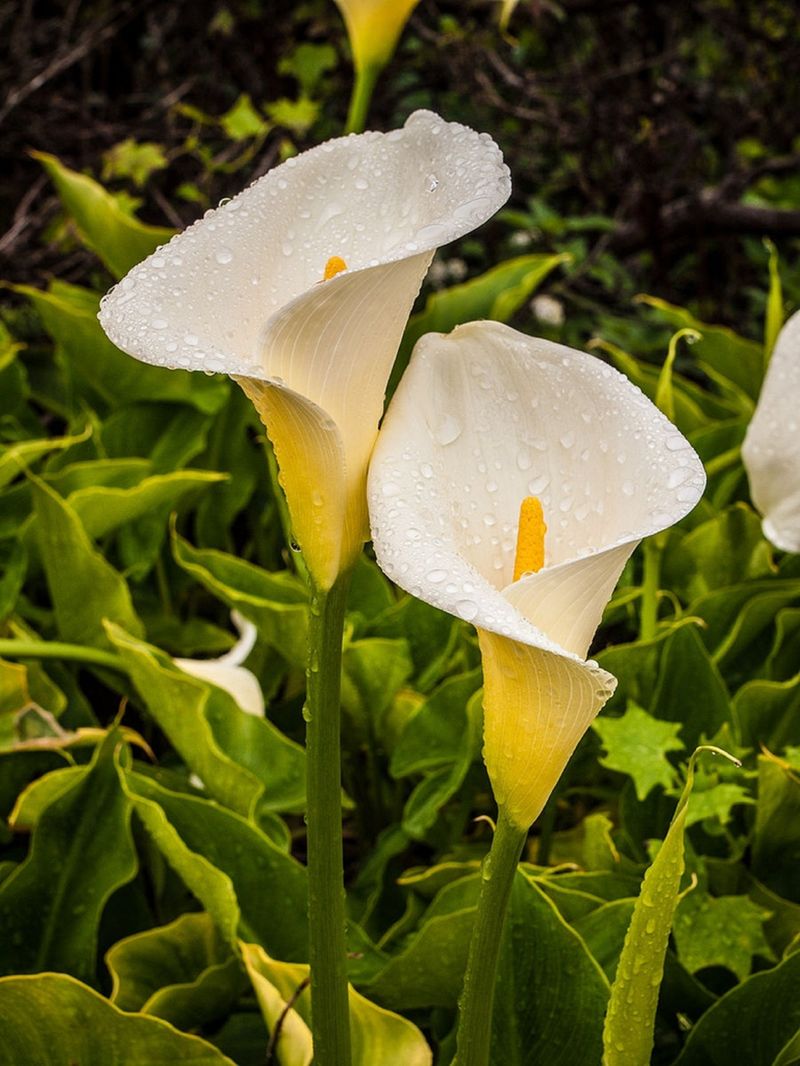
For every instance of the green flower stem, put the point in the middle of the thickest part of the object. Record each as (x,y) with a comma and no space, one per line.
(45,649)
(650,584)
(477,997)
(363,88)
(326,912)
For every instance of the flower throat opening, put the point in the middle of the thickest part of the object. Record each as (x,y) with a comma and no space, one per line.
(529,557)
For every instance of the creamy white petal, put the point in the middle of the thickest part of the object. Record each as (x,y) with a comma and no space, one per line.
(486,416)
(204,300)
(567,600)
(771,449)
(227,672)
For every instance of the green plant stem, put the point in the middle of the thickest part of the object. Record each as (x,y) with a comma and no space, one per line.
(477,997)
(363,87)
(326,911)
(45,649)
(650,582)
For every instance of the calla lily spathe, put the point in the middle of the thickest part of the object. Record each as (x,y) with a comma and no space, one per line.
(771,449)
(374,28)
(242,291)
(227,671)
(484,418)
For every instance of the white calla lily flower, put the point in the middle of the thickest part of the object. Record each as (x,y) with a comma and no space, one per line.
(771,449)
(227,671)
(300,287)
(483,419)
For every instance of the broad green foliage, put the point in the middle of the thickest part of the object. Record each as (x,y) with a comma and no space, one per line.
(81,852)
(152,843)
(118,238)
(50,1019)
(377,1035)
(628,1030)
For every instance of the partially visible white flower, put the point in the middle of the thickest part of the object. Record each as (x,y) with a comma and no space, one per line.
(228,673)
(548,309)
(771,449)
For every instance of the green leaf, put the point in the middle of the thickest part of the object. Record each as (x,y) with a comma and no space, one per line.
(716,801)
(768,713)
(636,667)
(229,865)
(665,396)
(103,509)
(309,63)
(774,317)
(69,314)
(243,120)
(603,931)
(751,1024)
(51,1019)
(296,115)
(84,587)
(425,802)
(636,744)
(276,603)
(373,671)
(723,551)
(497,295)
(182,972)
(690,689)
(120,240)
(432,636)
(630,1019)
(81,852)
(720,351)
(724,931)
(433,736)
(242,760)
(776,838)
(377,1035)
(18,457)
(551,995)
(132,159)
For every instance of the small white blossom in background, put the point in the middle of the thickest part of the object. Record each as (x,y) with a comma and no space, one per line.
(547,309)
(521,239)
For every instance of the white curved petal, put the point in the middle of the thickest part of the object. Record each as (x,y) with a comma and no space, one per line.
(204,300)
(771,449)
(236,680)
(487,416)
(567,600)
(227,672)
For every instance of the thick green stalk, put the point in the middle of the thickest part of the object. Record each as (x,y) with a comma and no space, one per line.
(48,649)
(326,911)
(363,87)
(477,996)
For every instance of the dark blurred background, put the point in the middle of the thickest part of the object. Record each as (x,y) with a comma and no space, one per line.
(656,141)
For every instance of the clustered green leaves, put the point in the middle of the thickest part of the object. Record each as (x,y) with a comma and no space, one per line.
(151,836)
